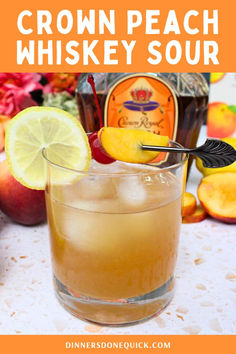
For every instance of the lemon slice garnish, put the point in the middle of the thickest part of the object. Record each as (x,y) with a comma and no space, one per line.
(58,132)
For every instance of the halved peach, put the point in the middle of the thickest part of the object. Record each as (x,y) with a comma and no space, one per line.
(125,144)
(217,194)
(198,215)
(188,204)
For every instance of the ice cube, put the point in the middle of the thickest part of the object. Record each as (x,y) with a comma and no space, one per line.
(88,231)
(76,226)
(131,191)
(89,188)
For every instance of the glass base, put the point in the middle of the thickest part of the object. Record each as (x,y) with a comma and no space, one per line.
(115,312)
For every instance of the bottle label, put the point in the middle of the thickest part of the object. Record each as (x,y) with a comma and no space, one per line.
(143,102)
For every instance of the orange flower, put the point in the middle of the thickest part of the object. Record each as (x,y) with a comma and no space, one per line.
(62,81)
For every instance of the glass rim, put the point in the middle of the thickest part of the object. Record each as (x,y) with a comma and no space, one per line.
(98,173)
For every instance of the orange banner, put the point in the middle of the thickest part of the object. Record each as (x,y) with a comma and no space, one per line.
(117,36)
(118,344)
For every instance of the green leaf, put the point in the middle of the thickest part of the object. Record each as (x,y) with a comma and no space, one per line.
(232,108)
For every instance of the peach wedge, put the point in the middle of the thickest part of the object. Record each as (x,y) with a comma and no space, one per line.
(125,144)
(198,215)
(217,194)
(188,204)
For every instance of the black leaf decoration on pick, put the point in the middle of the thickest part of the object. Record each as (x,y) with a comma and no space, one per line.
(215,153)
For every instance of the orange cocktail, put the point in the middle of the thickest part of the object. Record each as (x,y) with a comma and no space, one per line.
(114,238)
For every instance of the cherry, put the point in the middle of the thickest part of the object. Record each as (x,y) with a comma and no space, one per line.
(98,152)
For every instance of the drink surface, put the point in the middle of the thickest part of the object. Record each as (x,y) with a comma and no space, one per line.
(115,237)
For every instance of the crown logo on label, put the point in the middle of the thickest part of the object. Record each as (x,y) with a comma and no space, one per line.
(141,95)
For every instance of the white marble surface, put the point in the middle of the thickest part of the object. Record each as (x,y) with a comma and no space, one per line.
(204,302)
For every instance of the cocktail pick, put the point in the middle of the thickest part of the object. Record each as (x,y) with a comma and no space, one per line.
(213,153)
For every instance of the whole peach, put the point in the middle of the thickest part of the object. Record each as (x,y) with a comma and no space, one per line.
(221,120)
(23,205)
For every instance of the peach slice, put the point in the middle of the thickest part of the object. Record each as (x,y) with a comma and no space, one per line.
(217,194)
(198,215)
(188,204)
(125,144)
(23,205)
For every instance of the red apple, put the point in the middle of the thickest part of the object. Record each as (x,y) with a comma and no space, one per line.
(23,205)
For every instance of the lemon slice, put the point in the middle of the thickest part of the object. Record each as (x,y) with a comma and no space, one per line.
(62,136)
